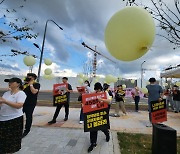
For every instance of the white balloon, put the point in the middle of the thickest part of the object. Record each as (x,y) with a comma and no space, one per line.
(29,60)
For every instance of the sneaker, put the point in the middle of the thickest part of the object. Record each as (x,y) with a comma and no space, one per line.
(92,146)
(66,118)
(52,122)
(81,122)
(149,125)
(25,133)
(116,115)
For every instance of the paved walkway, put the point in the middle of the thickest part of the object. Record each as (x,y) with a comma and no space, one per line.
(69,138)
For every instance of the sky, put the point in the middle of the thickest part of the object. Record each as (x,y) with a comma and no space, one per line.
(82,21)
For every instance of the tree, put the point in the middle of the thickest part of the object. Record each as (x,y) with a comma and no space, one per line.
(18,29)
(168,18)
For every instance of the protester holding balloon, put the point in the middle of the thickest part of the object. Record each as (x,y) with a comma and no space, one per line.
(31,89)
(119,97)
(11,117)
(155,93)
(66,104)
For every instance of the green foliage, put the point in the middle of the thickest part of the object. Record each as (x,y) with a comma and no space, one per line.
(19,29)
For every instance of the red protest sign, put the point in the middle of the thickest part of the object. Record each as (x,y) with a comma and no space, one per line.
(91,102)
(59,88)
(81,89)
(158,111)
(59,93)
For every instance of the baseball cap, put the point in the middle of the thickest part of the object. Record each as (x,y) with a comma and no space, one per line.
(18,80)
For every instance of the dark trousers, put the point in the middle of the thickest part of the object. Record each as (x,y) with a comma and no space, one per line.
(58,108)
(28,110)
(81,115)
(136,99)
(93,135)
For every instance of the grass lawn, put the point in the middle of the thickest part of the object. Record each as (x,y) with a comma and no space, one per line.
(137,143)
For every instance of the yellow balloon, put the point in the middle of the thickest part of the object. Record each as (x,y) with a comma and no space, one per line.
(80,80)
(29,60)
(165,84)
(147,82)
(85,77)
(132,81)
(47,71)
(178,84)
(130,33)
(48,61)
(109,79)
(124,86)
(80,75)
(144,90)
(48,77)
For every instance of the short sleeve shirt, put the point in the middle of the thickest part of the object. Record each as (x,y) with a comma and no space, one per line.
(154,91)
(7,112)
(31,98)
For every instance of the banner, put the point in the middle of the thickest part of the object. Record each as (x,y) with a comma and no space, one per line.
(158,111)
(59,93)
(96,113)
(81,90)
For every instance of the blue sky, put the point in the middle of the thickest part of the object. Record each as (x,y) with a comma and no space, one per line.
(81,21)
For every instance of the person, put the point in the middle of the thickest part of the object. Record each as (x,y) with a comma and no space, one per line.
(176,98)
(11,117)
(93,134)
(31,89)
(87,90)
(155,93)
(136,97)
(169,99)
(119,98)
(66,105)
(106,88)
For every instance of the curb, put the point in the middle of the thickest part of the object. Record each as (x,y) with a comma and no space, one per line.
(116,147)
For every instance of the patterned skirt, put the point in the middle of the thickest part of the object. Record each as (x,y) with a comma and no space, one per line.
(11,135)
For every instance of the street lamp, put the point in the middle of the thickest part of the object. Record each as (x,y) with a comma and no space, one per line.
(142,72)
(42,49)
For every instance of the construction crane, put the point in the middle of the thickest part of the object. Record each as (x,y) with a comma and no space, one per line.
(95,58)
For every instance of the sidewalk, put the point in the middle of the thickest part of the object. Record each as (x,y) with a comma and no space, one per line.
(69,138)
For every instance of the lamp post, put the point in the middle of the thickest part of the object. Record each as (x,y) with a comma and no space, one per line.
(142,72)
(42,49)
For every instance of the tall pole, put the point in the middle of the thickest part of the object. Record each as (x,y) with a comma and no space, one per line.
(42,49)
(142,72)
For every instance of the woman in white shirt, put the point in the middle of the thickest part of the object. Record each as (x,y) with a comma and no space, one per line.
(11,117)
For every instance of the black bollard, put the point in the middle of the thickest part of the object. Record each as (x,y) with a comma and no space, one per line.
(164,139)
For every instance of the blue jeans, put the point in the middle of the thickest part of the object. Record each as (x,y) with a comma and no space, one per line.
(136,99)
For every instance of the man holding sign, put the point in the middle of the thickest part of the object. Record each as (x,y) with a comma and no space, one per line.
(61,94)
(96,114)
(155,93)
